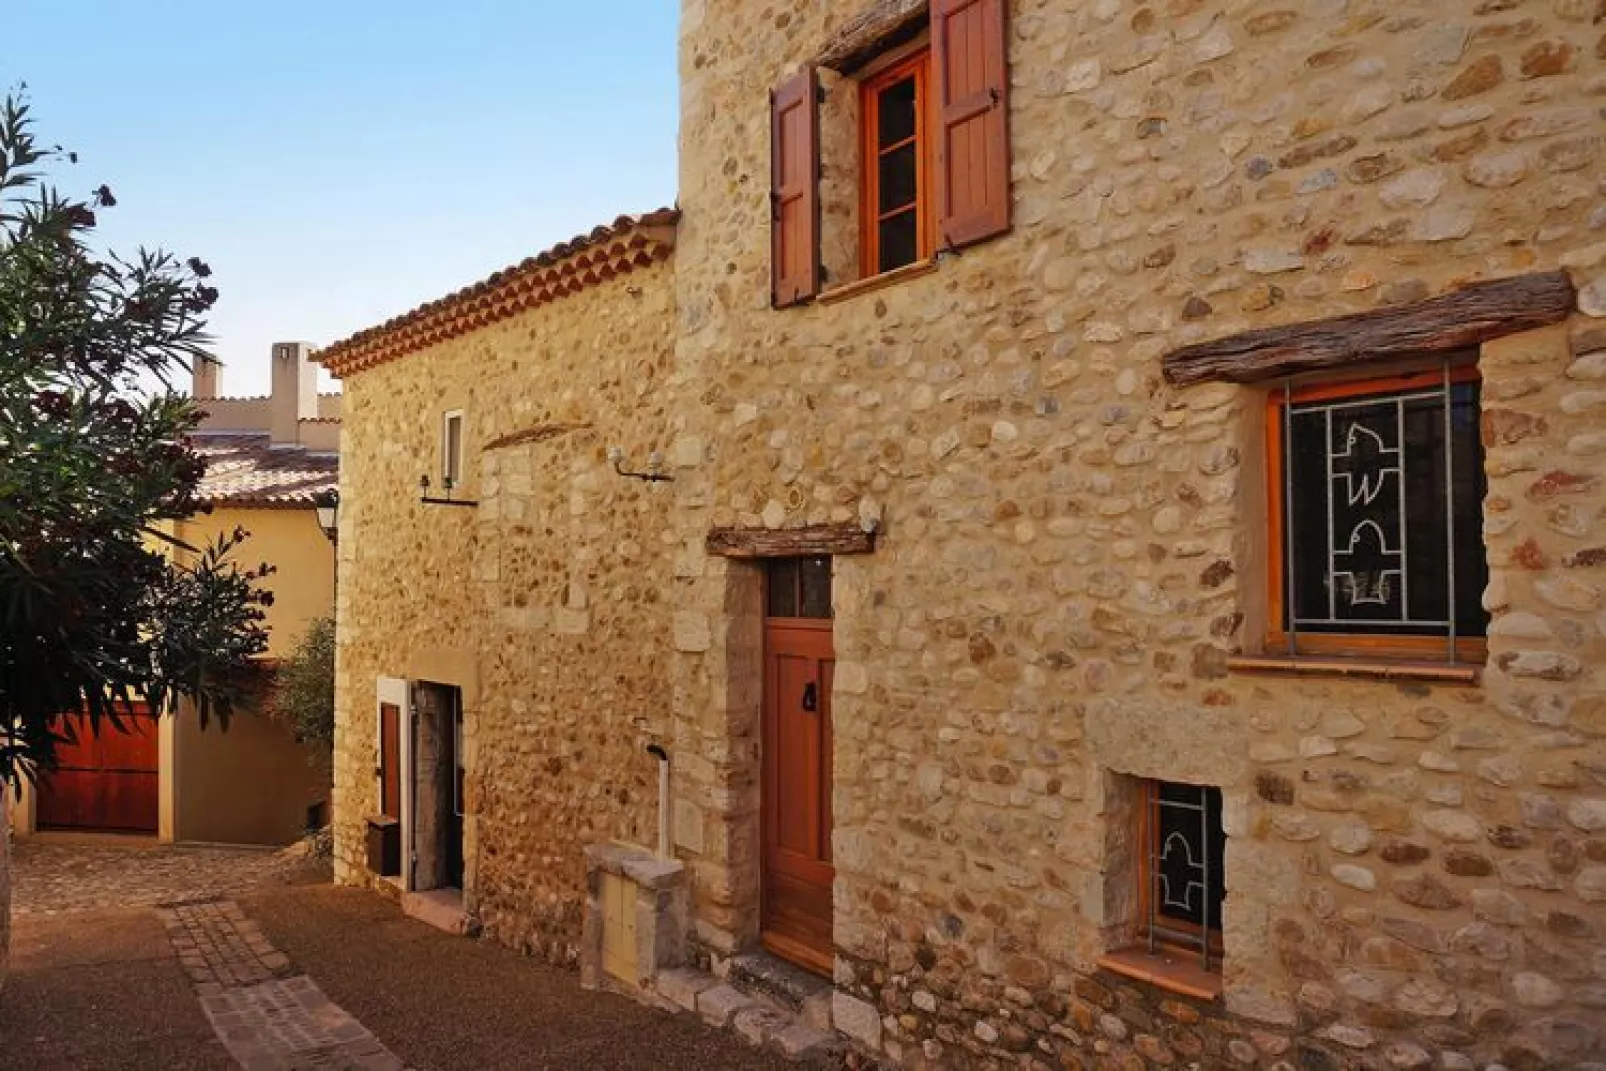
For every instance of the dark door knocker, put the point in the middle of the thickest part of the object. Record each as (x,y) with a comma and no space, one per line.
(811,697)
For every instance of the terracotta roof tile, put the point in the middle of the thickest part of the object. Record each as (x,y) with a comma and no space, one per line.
(614,249)
(243,468)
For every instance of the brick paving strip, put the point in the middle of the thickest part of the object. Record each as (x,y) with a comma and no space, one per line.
(268,1021)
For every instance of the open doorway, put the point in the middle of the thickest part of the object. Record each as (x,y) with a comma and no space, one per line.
(437,797)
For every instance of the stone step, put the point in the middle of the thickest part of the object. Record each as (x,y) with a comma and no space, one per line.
(787,986)
(440,908)
(759,1020)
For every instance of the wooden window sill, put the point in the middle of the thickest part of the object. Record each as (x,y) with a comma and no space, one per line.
(876,282)
(1360,668)
(1178,972)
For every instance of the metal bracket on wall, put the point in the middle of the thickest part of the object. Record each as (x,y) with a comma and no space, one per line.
(428,500)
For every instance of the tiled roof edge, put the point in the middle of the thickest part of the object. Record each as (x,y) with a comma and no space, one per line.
(566,268)
(248,501)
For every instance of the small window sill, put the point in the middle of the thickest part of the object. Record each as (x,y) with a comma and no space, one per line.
(876,282)
(1358,668)
(1177,972)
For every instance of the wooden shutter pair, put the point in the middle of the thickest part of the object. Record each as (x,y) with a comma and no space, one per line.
(970,76)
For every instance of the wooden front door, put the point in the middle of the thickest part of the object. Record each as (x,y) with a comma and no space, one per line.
(105,781)
(798,662)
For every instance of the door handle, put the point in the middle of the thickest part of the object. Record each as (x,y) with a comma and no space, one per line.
(811,697)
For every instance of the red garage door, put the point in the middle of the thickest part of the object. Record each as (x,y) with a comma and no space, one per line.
(105,781)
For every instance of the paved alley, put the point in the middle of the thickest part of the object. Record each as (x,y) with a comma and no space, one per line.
(64,873)
(250,962)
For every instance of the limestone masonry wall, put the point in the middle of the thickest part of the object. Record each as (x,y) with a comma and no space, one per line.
(1069,552)
(1071,549)
(544,604)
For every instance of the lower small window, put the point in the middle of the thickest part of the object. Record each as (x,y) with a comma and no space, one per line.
(1183,877)
(1167,927)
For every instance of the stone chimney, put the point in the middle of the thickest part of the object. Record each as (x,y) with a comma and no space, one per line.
(295,390)
(206,377)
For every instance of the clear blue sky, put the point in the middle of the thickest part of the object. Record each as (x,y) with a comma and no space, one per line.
(340,161)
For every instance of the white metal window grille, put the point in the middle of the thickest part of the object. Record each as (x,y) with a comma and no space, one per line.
(1186,873)
(1382,516)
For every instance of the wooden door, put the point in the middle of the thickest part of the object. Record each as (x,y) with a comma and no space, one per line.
(105,781)
(796,858)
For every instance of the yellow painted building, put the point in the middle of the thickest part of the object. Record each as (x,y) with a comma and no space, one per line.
(269,460)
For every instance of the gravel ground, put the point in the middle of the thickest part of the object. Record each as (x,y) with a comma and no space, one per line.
(101,991)
(443,1002)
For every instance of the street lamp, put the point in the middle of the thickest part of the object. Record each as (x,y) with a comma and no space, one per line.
(328,507)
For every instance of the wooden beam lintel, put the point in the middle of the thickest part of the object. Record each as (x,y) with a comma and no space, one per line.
(1465,318)
(813,541)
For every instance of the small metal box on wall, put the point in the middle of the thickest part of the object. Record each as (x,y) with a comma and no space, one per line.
(384,846)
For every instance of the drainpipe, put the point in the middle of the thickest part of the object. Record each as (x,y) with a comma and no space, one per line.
(657,751)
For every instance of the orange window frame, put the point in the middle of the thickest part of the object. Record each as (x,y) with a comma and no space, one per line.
(918,66)
(1468,649)
(1149,841)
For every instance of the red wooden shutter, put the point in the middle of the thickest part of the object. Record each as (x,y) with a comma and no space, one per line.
(971,79)
(794,189)
(390,760)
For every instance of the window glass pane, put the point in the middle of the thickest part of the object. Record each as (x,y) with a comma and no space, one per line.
(782,588)
(1306,491)
(1471,561)
(899,241)
(815,581)
(896,112)
(451,466)
(1426,524)
(1188,854)
(899,171)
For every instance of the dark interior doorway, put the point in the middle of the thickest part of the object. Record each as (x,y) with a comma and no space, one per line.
(437,850)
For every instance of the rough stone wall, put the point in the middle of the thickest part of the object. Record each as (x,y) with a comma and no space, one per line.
(1071,549)
(544,603)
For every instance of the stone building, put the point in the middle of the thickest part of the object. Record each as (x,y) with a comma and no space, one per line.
(1130,591)
(500,602)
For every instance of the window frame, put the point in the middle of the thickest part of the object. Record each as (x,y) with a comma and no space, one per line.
(1168,936)
(914,60)
(452,461)
(1471,650)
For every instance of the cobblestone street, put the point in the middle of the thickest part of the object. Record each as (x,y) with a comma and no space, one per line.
(62,873)
(128,955)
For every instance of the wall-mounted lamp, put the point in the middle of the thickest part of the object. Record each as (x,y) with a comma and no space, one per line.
(327,506)
(654,472)
(424,496)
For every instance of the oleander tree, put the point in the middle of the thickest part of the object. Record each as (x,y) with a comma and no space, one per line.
(99,606)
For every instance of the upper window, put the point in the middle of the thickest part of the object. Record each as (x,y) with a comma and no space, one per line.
(896,203)
(934,151)
(1377,493)
(452,449)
